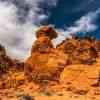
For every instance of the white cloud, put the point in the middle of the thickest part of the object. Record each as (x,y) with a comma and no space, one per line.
(11,33)
(18,38)
(85,24)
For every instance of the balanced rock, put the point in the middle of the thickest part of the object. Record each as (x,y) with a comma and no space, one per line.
(46,31)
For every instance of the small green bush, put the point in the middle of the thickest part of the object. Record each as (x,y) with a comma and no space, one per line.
(3,67)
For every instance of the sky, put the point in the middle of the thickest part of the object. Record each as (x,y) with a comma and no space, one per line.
(19,20)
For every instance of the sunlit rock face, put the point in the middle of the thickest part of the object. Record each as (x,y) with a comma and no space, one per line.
(81,76)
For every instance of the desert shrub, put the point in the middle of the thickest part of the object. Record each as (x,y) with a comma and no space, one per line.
(3,67)
(26,97)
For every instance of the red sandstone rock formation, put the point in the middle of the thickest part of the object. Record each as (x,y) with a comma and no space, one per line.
(75,64)
(47,62)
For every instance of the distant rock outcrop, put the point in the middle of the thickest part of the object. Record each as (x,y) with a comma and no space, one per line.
(5,61)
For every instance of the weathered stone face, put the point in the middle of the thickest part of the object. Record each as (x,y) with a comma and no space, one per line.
(42,44)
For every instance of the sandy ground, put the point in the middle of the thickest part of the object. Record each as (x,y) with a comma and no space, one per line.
(30,91)
(65,95)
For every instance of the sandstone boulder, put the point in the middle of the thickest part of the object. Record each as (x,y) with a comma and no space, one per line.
(80,76)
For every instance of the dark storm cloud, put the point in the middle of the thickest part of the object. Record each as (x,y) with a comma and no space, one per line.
(68,11)
(88,5)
